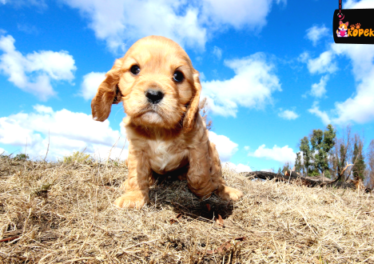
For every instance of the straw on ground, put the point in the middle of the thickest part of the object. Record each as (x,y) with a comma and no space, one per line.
(63,213)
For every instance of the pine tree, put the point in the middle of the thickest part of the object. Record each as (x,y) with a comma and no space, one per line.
(298,165)
(317,151)
(358,160)
(329,139)
(342,161)
(305,149)
(316,154)
(322,142)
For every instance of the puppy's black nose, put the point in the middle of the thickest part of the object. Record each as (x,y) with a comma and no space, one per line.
(154,96)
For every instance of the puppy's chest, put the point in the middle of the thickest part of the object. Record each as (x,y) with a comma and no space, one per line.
(167,155)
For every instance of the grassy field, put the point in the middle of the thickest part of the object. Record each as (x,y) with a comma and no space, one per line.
(63,213)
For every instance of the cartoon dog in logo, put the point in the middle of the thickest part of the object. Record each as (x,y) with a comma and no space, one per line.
(342,31)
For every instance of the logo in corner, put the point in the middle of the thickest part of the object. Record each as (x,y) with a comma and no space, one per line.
(359,29)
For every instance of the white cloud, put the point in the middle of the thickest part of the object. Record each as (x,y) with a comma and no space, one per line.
(43,109)
(189,23)
(321,114)
(246,148)
(91,82)
(303,57)
(281,1)
(202,76)
(360,107)
(361,57)
(353,4)
(238,168)
(237,13)
(63,130)
(251,87)
(323,64)
(2,151)
(319,89)
(225,147)
(288,114)
(68,131)
(315,33)
(217,52)
(34,72)
(283,155)
(28,29)
(120,22)
(20,3)
(243,168)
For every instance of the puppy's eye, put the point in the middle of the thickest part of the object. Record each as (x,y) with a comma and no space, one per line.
(135,69)
(178,76)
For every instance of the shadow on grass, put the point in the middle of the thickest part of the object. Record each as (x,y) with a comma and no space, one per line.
(171,190)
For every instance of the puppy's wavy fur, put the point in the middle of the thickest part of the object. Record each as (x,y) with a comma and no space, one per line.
(163,136)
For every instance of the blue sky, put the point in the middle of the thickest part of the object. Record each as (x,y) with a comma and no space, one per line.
(269,69)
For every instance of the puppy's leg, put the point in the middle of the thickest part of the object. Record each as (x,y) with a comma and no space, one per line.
(137,183)
(223,191)
(198,175)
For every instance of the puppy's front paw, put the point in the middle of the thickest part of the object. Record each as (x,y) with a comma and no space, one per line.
(132,199)
(228,193)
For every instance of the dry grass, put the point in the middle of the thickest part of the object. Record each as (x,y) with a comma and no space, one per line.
(63,213)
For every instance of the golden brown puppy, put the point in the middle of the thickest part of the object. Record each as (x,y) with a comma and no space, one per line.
(160,91)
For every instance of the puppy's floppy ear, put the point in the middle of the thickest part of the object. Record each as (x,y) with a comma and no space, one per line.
(193,107)
(107,94)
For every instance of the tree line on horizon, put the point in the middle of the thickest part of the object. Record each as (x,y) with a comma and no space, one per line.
(323,154)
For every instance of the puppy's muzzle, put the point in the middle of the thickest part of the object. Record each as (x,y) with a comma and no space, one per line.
(154,96)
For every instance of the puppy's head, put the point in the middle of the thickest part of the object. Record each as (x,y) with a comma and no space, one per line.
(157,84)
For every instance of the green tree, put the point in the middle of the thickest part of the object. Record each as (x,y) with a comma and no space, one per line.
(342,160)
(21,157)
(316,140)
(305,149)
(358,160)
(316,150)
(322,142)
(298,164)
